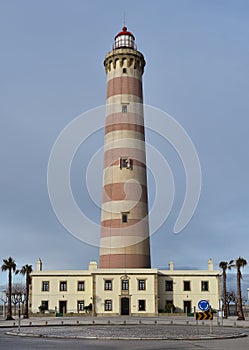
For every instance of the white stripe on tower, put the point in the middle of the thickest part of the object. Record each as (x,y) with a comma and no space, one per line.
(124,241)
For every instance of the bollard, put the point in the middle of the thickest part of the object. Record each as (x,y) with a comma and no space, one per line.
(30,323)
(155,321)
(187,322)
(171,322)
(77,322)
(124,322)
(61,322)
(140,321)
(109,321)
(46,322)
(93,321)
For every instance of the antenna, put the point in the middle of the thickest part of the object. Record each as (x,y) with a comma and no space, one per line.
(124,19)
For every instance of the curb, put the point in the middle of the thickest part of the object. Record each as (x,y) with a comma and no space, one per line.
(214,337)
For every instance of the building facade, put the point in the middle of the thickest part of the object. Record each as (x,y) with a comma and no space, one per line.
(131,292)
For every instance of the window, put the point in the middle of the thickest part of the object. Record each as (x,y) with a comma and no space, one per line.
(186,285)
(45,286)
(141,284)
(141,305)
(108,284)
(63,286)
(204,286)
(44,305)
(168,303)
(80,305)
(124,70)
(124,41)
(124,108)
(124,218)
(125,285)
(81,286)
(126,162)
(108,305)
(169,306)
(168,286)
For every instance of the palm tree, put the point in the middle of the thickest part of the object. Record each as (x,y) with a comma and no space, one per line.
(9,265)
(240,262)
(224,265)
(26,271)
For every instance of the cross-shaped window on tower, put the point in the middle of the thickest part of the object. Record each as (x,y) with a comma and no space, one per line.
(126,162)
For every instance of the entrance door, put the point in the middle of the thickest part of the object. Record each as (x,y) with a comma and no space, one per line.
(125,306)
(62,307)
(187,306)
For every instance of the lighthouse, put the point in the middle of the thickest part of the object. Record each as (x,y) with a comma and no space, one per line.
(124,237)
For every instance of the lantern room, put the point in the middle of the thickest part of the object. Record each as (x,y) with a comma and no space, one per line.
(124,39)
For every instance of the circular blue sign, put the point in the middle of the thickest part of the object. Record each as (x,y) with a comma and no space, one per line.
(203,305)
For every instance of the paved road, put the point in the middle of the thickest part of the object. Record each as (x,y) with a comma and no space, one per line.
(23,343)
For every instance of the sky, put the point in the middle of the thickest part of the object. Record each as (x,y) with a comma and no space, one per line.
(51,71)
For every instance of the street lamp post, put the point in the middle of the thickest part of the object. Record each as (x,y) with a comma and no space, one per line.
(19,315)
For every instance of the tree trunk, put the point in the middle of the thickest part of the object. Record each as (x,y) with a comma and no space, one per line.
(9,313)
(26,312)
(239,306)
(225,293)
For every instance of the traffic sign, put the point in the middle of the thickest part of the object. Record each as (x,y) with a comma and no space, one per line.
(206,315)
(203,305)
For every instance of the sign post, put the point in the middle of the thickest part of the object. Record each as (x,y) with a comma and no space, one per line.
(205,314)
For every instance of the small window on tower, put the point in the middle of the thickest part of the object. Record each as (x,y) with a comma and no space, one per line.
(126,162)
(124,70)
(124,218)
(124,108)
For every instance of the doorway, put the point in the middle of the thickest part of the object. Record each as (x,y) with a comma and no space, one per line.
(187,306)
(125,306)
(62,307)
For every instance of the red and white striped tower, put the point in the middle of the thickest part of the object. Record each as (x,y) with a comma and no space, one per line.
(124,241)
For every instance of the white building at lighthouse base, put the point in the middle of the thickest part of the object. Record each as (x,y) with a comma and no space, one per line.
(131,292)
